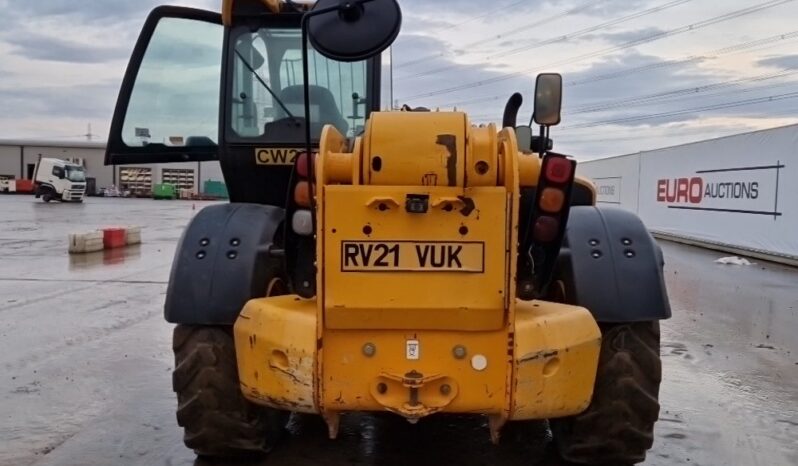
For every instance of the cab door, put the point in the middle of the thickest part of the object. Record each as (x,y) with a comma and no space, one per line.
(168,106)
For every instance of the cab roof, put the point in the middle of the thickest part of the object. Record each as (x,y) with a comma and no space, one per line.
(231,7)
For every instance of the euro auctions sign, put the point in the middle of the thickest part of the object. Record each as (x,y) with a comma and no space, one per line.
(740,191)
(750,190)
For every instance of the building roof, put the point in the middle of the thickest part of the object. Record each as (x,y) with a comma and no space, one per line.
(56,144)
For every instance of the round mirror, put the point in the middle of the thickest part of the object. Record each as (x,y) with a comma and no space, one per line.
(354,29)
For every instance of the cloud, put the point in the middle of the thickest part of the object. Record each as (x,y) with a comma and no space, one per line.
(109,11)
(46,44)
(40,47)
(614,7)
(623,37)
(451,73)
(88,101)
(683,93)
(784,62)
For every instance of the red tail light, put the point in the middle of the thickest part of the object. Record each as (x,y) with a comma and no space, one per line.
(302,164)
(559,170)
(546,229)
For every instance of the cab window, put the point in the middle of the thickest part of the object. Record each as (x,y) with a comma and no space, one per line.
(267,100)
(175,99)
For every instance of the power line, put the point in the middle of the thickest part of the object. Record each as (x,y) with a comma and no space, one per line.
(654,37)
(505,34)
(486,116)
(710,55)
(562,38)
(483,117)
(485,15)
(669,96)
(624,136)
(739,103)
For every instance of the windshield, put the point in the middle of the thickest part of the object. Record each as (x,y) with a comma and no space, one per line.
(76,174)
(267,100)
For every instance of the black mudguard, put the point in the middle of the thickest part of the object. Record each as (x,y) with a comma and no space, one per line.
(222,261)
(610,264)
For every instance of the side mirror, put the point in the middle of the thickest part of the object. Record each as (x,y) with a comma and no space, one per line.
(548,99)
(353,30)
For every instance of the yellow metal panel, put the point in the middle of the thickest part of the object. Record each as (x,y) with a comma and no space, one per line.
(528,169)
(415,149)
(556,356)
(229,5)
(555,348)
(589,184)
(275,342)
(334,165)
(482,165)
(395,298)
(351,378)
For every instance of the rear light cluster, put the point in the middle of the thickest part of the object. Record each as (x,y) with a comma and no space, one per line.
(302,221)
(557,176)
(545,227)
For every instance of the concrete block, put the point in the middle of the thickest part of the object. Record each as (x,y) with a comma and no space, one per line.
(113,237)
(80,243)
(132,235)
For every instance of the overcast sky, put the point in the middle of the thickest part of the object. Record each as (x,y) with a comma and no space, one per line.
(639,74)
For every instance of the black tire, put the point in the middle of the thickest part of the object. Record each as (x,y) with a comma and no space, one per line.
(618,426)
(47,197)
(218,421)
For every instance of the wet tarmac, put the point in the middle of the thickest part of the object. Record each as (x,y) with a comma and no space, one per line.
(85,360)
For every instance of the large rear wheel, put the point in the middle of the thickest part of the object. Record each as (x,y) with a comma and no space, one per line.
(618,426)
(217,419)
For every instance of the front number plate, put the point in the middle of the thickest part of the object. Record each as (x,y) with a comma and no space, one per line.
(412,256)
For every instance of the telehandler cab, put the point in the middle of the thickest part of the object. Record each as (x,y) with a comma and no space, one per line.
(402,261)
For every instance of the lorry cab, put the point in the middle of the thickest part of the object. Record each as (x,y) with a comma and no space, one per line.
(56,179)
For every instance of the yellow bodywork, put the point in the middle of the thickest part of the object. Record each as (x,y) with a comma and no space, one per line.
(229,5)
(416,312)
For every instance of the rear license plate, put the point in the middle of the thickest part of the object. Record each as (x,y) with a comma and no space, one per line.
(412,256)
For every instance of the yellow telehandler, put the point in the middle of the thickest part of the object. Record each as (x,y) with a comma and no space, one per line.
(369,260)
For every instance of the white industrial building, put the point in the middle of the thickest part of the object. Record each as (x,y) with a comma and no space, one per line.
(18,160)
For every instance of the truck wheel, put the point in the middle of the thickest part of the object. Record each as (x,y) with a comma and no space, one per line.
(217,419)
(618,426)
(46,197)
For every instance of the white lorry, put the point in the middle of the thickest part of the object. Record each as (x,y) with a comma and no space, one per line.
(60,180)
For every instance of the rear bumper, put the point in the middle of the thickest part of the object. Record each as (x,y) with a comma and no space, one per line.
(541,367)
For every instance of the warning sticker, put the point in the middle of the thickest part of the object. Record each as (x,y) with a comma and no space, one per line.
(412,256)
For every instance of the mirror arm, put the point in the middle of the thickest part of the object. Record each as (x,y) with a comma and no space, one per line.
(544,135)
